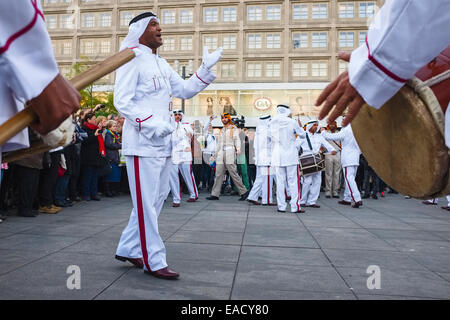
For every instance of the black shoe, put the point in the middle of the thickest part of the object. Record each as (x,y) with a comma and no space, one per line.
(62,204)
(28,214)
(374,196)
(281,210)
(336,197)
(212,198)
(244,196)
(327,196)
(95,198)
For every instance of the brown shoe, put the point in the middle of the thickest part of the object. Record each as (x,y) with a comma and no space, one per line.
(357,204)
(58,209)
(192,199)
(269,204)
(164,273)
(345,203)
(446,208)
(175,205)
(314,206)
(138,262)
(48,209)
(256,203)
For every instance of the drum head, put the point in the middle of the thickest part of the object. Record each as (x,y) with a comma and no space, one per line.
(404,145)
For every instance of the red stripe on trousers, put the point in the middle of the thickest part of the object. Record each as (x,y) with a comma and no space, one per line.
(268,185)
(179,181)
(193,184)
(351,192)
(140,210)
(298,189)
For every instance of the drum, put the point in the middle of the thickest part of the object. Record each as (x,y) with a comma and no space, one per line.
(404,141)
(311,163)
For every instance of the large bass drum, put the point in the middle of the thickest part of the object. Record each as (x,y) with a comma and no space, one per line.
(311,163)
(404,141)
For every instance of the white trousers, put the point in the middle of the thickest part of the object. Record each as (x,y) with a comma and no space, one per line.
(149,186)
(292,174)
(351,189)
(263,185)
(311,188)
(186,172)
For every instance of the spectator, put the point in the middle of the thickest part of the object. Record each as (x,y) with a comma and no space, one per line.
(48,179)
(92,150)
(112,146)
(208,151)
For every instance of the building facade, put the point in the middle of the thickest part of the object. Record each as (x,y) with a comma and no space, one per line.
(275,51)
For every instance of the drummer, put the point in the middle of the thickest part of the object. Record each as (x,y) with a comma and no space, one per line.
(311,145)
(26,49)
(404,36)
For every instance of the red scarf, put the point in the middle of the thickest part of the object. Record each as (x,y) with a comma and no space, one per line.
(101,142)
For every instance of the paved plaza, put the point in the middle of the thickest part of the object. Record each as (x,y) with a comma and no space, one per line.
(229,249)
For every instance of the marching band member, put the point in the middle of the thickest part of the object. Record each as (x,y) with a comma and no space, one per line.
(333,166)
(182,159)
(311,183)
(228,147)
(143,95)
(350,162)
(28,72)
(264,175)
(282,131)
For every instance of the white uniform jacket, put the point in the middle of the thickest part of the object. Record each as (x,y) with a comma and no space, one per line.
(210,139)
(317,141)
(181,141)
(142,95)
(404,36)
(282,132)
(262,144)
(350,150)
(27,64)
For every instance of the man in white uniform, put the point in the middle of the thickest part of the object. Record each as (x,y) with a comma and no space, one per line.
(404,36)
(282,131)
(333,166)
(143,95)
(28,72)
(350,162)
(311,183)
(262,186)
(182,160)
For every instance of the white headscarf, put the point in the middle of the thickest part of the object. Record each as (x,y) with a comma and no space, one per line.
(283,111)
(311,123)
(135,32)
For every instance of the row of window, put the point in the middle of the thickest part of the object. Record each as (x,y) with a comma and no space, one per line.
(304,11)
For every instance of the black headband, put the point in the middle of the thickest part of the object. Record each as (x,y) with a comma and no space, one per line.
(142,16)
(282,106)
(265,117)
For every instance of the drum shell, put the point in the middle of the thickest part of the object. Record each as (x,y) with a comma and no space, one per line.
(311,163)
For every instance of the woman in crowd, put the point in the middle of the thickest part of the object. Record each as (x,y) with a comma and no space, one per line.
(112,146)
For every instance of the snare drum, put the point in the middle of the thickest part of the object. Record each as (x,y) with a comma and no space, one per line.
(404,141)
(311,163)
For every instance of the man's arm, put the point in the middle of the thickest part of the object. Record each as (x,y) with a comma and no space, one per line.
(404,36)
(29,67)
(186,89)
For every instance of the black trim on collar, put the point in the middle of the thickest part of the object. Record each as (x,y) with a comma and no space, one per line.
(142,16)
(265,117)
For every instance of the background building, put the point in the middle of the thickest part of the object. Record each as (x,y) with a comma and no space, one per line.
(274,51)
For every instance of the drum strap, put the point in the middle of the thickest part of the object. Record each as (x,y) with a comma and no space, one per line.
(309,142)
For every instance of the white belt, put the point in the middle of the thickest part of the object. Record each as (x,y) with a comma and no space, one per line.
(224,148)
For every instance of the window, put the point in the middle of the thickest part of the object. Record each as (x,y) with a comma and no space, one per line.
(254,70)
(125,17)
(300,12)
(346,39)
(346,10)
(211,15)
(168,16)
(88,20)
(51,22)
(50,1)
(362,37)
(105,47)
(342,66)
(366,9)
(273,12)
(169,44)
(229,42)
(300,40)
(319,11)
(104,20)
(66,1)
(273,41)
(319,39)
(65,21)
(255,13)
(211,42)
(273,69)
(299,69)
(66,48)
(186,16)
(228,70)
(319,69)
(254,41)
(87,47)
(229,14)
(186,44)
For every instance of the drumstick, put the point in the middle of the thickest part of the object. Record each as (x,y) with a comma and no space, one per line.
(27,116)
